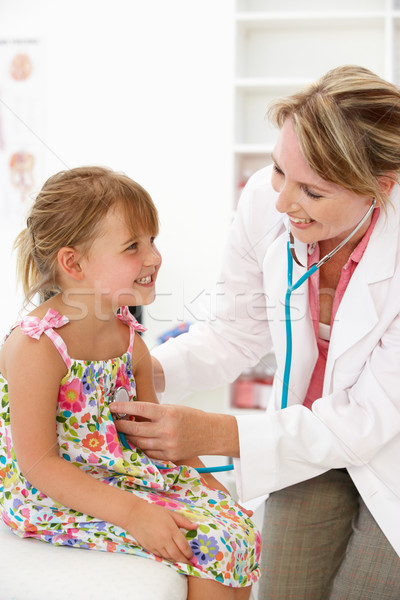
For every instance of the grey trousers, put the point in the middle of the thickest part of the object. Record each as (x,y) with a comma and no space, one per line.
(320,542)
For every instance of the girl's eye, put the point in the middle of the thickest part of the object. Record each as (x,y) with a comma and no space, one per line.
(310,194)
(132,246)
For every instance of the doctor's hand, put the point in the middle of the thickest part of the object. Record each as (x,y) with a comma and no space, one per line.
(171,432)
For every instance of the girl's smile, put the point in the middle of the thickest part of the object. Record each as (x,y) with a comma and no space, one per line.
(145,280)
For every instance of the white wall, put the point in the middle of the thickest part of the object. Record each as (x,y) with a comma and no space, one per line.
(144,87)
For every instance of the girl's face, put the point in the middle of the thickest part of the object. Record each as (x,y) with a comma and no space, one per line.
(317,209)
(120,267)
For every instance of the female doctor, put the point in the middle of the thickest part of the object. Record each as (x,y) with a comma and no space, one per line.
(327,450)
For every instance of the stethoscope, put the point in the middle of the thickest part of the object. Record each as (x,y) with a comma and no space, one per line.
(291,287)
(121,393)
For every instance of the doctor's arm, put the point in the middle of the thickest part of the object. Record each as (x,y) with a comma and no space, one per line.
(178,433)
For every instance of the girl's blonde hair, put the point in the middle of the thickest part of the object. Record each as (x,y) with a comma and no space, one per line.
(348,127)
(68,212)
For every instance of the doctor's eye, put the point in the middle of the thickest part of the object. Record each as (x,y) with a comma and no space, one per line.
(278,170)
(310,194)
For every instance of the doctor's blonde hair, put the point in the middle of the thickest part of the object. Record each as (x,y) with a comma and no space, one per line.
(68,212)
(348,127)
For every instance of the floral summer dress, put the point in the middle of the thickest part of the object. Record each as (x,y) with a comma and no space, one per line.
(226,545)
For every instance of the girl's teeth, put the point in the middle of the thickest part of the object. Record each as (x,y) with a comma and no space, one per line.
(144,280)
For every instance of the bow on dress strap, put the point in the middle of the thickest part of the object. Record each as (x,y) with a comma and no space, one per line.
(34,327)
(127,317)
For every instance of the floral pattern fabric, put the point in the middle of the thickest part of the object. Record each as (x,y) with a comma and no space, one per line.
(226,544)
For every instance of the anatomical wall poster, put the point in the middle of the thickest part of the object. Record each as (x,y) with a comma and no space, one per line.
(22,122)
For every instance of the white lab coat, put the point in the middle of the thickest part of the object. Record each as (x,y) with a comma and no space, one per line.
(356,424)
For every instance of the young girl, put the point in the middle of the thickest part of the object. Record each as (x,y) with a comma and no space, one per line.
(66,475)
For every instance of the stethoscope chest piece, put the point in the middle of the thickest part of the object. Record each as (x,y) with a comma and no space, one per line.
(120,395)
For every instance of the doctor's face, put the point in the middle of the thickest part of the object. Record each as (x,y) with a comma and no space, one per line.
(317,209)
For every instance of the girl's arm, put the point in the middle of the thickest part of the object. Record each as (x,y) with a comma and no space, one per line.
(34,370)
(142,369)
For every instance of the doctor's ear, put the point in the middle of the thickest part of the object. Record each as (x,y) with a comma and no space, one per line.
(386,183)
(68,259)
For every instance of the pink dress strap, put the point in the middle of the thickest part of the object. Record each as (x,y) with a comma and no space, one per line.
(127,317)
(34,327)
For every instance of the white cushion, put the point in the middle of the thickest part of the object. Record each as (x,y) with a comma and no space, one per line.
(35,570)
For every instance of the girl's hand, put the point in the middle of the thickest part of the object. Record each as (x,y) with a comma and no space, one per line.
(157,529)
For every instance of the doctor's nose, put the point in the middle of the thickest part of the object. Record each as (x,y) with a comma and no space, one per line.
(286,202)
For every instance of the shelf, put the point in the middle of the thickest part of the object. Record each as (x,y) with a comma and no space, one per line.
(310,6)
(299,17)
(275,50)
(253,148)
(271,82)
(245,165)
(254,133)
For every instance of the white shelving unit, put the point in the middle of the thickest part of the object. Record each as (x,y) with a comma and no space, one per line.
(279,51)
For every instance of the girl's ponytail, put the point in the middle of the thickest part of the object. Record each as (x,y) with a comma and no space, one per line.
(28,273)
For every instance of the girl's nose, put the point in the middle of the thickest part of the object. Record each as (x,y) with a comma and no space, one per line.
(152,257)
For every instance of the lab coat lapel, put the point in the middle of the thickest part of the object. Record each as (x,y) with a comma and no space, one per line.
(357,313)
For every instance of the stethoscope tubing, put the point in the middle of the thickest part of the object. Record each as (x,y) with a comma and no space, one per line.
(293,286)
(218,469)
(289,340)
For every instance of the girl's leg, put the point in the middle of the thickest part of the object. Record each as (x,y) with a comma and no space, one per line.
(199,589)
(371,568)
(306,531)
